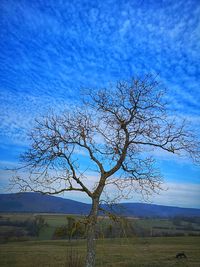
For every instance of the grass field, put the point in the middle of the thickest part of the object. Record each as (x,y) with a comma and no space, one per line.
(41,250)
(156,251)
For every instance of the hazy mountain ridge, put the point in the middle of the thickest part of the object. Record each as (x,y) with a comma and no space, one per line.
(35,202)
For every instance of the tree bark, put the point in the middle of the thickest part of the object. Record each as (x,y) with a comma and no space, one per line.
(91,230)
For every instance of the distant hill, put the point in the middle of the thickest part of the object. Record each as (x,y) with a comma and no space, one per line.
(35,202)
(152,210)
(38,203)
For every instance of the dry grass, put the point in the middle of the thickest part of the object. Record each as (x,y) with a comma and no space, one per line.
(74,258)
(138,252)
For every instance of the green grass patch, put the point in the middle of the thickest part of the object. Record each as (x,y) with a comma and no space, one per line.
(130,252)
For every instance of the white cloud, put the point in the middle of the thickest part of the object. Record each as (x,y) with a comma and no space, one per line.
(174,193)
(179,194)
(45,59)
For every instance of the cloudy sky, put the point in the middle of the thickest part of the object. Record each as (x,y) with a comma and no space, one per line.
(51,49)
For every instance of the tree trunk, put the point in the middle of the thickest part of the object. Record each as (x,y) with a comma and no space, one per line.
(91,230)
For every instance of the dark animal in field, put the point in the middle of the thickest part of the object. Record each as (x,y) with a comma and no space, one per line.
(181,255)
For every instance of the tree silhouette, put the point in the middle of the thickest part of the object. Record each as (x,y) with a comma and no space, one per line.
(116,128)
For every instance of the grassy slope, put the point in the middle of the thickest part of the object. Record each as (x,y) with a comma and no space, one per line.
(114,252)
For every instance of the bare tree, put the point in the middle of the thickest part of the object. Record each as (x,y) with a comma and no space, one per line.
(117,129)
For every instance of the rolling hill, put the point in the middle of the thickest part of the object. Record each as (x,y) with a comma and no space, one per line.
(39,203)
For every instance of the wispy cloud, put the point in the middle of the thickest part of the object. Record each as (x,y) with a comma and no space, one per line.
(179,194)
(49,50)
(173,194)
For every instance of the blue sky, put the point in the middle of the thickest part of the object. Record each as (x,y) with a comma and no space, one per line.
(50,49)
